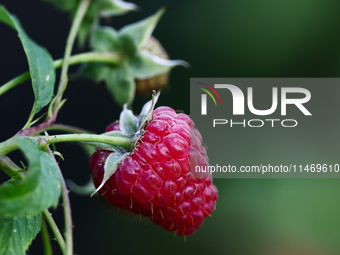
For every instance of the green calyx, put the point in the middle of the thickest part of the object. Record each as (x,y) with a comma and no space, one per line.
(139,61)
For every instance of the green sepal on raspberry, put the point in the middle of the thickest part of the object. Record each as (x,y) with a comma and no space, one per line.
(128,126)
(155,178)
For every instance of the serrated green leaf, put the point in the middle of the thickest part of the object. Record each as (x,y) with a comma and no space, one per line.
(141,31)
(111,165)
(17,233)
(40,189)
(39,60)
(148,65)
(97,8)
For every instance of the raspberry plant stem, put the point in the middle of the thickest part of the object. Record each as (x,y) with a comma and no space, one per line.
(46,238)
(114,58)
(78,18)
(116,141)
(10,144)
(59,238)
(67,211)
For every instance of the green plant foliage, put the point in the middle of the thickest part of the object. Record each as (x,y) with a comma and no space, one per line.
(40,62)
(17,233)
(98,8)
(138,62)
(40,189)
(119,58)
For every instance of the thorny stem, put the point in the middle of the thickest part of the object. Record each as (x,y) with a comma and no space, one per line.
(101,57)
(55,229)
(67,212)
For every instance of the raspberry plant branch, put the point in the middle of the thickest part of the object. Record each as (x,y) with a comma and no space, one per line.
(115,141)
(114,58)
(82,8)
(67,211)
(57,102)
(37,129)
(11,145)
(125,63)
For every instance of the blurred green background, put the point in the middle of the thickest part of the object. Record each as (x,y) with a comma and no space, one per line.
(239,38)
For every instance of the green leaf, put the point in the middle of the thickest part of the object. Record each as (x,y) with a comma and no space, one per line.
(141,31)
(17,233)
(97,8)
(39,60)
(148,65)
(40,189)
(6,18)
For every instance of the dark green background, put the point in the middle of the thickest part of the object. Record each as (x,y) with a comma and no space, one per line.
(239,38)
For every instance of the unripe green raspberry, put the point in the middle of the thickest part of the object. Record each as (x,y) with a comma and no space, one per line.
(145,86)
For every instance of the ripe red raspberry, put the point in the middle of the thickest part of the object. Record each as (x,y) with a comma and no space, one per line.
(155,178)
